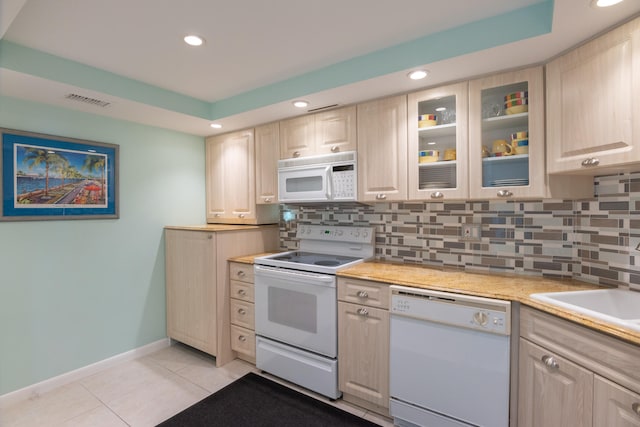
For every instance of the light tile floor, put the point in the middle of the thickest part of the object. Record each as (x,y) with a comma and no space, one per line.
(141,392)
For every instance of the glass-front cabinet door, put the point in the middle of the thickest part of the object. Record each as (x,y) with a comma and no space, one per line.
(506,135)
(438,155)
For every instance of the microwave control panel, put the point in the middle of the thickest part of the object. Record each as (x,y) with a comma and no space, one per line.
(343,183)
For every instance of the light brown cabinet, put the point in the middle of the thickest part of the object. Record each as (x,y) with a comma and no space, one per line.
(570,375)
(267,142)
(327,132)
(363,343)
(446,177)
(382,150)
(593,114)
(243,337)
(230,181)
(198,283)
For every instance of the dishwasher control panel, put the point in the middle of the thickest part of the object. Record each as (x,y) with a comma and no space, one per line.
(465,311)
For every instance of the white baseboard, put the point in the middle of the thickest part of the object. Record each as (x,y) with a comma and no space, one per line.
(37,389)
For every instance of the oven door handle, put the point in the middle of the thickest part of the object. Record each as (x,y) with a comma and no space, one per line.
(300,276)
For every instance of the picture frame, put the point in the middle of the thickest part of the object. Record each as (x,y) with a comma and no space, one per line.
(45,177)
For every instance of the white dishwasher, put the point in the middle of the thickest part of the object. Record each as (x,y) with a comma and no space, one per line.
(450,359)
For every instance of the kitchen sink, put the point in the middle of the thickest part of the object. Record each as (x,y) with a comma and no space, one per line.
(617,306)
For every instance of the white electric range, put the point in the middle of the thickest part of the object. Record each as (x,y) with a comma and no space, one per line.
(296,304)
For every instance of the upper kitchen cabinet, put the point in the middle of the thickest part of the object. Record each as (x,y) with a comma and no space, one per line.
(593,113)
(438,154)
(331,131)
(382,150)
(267,155)
(506,135)
(230,181)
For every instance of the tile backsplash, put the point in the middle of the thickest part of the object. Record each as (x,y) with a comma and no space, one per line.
(590,240)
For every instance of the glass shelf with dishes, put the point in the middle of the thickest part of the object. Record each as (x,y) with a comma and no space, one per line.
(505,136)
(437,157)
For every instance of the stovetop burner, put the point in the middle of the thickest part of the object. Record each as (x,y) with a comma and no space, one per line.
(324,249)
(311,258)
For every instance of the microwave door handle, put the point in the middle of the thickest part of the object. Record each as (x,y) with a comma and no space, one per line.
(329,183)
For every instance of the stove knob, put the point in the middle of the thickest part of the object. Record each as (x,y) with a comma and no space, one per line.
(365,234)
(356,233)
(339,232)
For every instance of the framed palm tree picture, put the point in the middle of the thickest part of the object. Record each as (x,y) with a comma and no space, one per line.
(48,177)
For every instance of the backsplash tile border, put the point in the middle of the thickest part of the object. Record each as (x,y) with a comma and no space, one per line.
(590,240)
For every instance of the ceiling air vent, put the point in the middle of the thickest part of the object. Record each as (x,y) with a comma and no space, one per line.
(87,100)
(326,107)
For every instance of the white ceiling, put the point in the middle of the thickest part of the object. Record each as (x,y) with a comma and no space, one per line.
(252,44)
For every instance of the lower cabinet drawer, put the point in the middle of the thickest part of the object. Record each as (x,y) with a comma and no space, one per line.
(243,340)
(242,314)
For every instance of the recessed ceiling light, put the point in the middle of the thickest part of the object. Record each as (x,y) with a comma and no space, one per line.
(193,40)
(216,125)
(300,104)
(418,74)
(604,3)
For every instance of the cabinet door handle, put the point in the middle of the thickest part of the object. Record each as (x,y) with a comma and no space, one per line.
(505,193)
(335,149)
(550,362)
(242,311)
(437,195)
(591,161)
(363,312)
(242,292)
(242,338)
(267,200)
(217,215)
(636,408)
(240,273)
(381,196)
(362,294)
(241,215)
(296,154)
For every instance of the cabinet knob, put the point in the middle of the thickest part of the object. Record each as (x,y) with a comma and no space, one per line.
(242,338)
(335,149)
(241,215)
(550,362)
(381,196)
(217,215)
(592,161)
(240,273)
(437,195)
(209,236)
(267,199)
(505,193)
(362,294)
(636,408)
(242,292)
(242,311)
(296,154)
(363,312)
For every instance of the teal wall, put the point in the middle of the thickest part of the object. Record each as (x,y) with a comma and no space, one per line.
(76,292)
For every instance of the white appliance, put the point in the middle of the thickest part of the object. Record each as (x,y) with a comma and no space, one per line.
(450,358)
(330,177)
(296,305)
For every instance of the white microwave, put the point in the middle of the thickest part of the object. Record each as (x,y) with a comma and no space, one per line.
(324,178)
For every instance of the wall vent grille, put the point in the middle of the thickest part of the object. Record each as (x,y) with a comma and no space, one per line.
(87,100)
(326,107)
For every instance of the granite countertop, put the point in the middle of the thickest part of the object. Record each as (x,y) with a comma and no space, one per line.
(248,259)
(501,286)
(511,287)
(216,227)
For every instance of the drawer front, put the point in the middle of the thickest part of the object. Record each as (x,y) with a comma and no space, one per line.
(242,291)
(610,357)
(241,272)
(364,292)
(242,314)
(243,341)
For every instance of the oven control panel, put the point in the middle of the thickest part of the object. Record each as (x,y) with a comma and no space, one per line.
(336,233)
